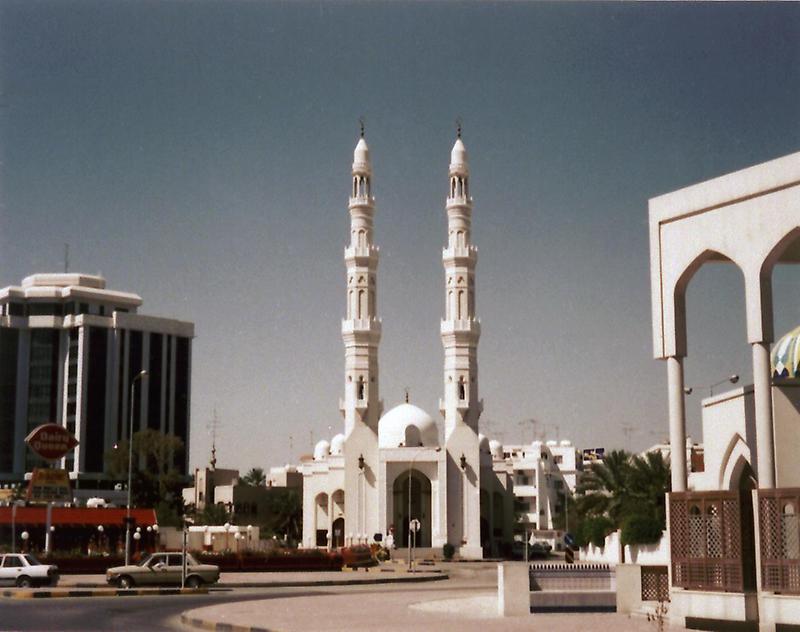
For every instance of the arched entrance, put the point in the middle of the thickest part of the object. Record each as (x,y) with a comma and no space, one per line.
(420,507)
(337,541)
(321,519)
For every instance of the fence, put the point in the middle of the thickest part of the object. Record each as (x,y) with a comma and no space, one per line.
(711,539)
(655,583)
(779,531)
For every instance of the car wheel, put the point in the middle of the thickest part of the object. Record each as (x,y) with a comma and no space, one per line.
(126,582)
(194,582)
(24,582)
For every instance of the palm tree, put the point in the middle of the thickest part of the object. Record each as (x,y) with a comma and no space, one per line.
(649,483)
(604,488)
(255,477)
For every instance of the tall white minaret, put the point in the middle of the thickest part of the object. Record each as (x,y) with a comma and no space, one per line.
(460,331)
(361,332)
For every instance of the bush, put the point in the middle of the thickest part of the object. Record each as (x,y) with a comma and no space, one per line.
(448,550)
(594,530)
(641,529)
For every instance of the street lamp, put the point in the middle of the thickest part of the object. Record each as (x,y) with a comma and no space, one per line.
(732,379)
(411,469)
(140,376)
(24,535)
(14,505)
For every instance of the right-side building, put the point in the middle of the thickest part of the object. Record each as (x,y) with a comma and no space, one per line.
(735,532)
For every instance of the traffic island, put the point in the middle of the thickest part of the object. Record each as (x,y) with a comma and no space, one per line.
(99,592)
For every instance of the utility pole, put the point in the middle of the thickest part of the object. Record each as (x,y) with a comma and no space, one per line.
(628,429)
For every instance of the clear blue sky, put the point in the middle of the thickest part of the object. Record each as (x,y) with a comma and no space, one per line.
(198,153)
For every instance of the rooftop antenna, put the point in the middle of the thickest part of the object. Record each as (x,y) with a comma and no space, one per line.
(212,426)
(627,430)
(458,127)
(66,258)
(361,124)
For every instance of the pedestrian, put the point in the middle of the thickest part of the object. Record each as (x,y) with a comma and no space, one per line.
(390,541)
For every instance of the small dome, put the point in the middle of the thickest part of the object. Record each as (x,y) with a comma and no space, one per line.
(407,425)
(321,450)
(537,444)
(552,443)
(361,157)
(565,443)
(337,444)
(496,448)
(786,355)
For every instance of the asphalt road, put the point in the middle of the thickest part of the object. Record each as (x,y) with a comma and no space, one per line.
(123,613)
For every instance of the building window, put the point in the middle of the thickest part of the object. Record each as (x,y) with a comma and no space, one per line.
(16,309)
(558,459)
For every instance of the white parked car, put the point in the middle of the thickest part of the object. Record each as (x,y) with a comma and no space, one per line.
(24,570)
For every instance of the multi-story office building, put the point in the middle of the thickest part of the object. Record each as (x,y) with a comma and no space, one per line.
(69,351)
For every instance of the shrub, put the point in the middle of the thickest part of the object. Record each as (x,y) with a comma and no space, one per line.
(641,529)
(594,530)
(448,550)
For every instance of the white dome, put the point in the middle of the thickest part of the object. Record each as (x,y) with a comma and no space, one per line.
(496,448)
(458,156)
(321,450)
(337,444)
(361,157)
(565,443)
(407,424)
(552,443)
(537,444)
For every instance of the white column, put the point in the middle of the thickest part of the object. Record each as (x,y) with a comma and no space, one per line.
(762,395)
(677,423)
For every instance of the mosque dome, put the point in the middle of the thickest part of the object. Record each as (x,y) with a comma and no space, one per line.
(458,155)
(321,450)
(407,425)
(496,448)
(786,355)
(337,444)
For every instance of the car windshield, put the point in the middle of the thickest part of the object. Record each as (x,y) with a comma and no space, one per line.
(31,560)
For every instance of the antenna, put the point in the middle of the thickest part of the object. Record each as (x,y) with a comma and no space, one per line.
(458,127)
(66,257)
(628,429)
(361,121)
(213,426)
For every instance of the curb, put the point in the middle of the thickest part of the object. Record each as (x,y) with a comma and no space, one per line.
(100,592)
(202,624)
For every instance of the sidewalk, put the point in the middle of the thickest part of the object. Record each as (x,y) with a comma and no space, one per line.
(375,575)
(396,609)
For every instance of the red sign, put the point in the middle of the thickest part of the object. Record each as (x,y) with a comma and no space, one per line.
(51,441)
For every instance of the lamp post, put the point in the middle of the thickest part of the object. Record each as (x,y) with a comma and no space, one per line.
(140,376)
(24,535)
(732,379)
(14,506)
(410,469)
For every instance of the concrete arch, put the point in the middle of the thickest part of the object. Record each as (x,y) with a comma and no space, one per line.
(736,454)
(761,295)
(678,292)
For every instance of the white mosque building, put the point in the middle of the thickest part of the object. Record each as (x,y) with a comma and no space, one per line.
(387,469)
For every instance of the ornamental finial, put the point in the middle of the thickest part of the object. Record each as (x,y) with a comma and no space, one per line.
(361,124)
(458,127)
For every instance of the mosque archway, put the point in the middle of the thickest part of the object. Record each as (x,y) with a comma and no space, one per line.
(321,519)
(420,507)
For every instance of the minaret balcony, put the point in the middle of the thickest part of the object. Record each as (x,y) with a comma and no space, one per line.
(461,325)
(360,255)
(459,200)
(361,325)
(460,255)
(361,200)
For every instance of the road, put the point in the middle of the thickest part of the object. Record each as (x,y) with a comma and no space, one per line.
(124,613)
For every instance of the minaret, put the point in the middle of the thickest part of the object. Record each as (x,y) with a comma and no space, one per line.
(460,331)
(361,332)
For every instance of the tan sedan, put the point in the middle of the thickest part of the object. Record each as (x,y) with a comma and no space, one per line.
(163,569)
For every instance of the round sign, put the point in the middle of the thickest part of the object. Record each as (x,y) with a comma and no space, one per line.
(51,441)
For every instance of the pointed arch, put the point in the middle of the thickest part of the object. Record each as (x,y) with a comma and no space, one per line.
(786,249)
(736,453)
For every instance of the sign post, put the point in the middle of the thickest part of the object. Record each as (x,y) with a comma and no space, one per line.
(569,553)
(413,527)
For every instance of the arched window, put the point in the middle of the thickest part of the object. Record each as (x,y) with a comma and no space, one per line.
(696,532)
(350,304)
(713,532)
(362,238)
(362,304)
(451,305)
(790,532)
(462,304)
(460,239)
(361,388)
(462,389)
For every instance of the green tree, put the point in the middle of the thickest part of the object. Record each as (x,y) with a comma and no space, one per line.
(284,517)
(604,487)
(156,481)
(254,478)
(213,515)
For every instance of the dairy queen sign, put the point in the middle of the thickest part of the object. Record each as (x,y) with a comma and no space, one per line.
(51,441)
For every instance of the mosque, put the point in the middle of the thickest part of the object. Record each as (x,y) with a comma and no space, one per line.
(387,470)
